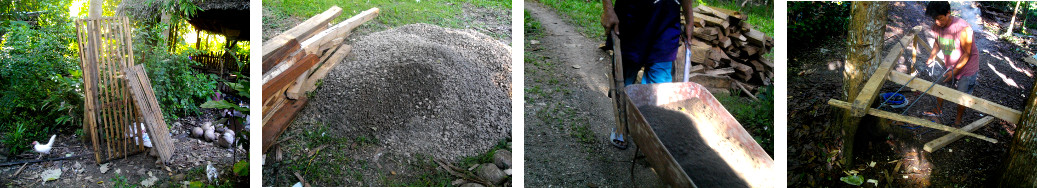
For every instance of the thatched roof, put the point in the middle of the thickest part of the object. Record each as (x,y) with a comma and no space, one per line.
(226,17)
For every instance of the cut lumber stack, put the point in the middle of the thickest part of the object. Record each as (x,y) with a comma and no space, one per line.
(725,48)
(295,60)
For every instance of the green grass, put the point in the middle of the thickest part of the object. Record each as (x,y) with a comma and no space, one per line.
(760,16)
(586,15)
(757,117)
(446,13)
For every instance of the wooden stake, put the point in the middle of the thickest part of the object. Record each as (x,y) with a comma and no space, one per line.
(951,137)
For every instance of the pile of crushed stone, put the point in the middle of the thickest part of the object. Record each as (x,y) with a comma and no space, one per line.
(419,89)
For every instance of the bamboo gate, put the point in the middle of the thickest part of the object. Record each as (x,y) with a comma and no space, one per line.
(115,94)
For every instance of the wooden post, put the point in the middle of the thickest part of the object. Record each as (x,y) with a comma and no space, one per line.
(866,30)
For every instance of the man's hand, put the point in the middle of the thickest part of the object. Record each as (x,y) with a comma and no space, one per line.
(609,20)
(950,74)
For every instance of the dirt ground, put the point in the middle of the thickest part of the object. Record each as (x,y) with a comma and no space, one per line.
(815,138)
(568,124)
(189,161)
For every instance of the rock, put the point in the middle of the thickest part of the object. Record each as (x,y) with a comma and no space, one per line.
(502,159)
(104,168)
(210,135)
(458,182)
(576,67)
(178,177)
(491,173)
(52,174)
(226,140)
(197,132)
(149,182)
(472,185)
(221,129)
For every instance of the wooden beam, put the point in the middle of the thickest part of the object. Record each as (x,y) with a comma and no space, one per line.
(953,95)
(281,81)
(312,45)
(285,115)
(910,120)
(297,90)
(871,89)
(951,137)
(282,43)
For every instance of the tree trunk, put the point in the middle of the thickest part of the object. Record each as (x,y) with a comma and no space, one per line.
(1011,24)
(95,8)
(864,44)
(1021,166)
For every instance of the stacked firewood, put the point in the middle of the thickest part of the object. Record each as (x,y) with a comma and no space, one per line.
(295,60)
(726,51)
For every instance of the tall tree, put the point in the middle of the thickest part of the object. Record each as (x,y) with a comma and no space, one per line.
(1011,24)
(95,8)
(864,44)
(1021,166)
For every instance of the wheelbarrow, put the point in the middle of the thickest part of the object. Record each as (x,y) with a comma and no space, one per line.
(709,147)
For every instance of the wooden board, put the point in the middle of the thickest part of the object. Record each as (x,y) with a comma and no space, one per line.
(283,80)
(953,95)
(312,45)
(273,129)
(275,49)
(911,120)
(951,137)
(144,100)
(871,89)
(297,90)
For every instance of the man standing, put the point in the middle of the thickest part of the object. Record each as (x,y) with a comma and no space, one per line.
(954,42)
(651,32)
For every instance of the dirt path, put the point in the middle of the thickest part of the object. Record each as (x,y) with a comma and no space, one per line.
(815,139)
(568,114)
(188,163)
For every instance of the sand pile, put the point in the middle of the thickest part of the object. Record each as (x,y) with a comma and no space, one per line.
(419,89)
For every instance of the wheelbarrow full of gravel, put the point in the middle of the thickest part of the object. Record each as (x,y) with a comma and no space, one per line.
(690,139)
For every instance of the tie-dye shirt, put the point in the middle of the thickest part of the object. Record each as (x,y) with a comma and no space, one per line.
(951,48)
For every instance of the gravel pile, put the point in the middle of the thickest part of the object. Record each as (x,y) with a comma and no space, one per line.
(419,89)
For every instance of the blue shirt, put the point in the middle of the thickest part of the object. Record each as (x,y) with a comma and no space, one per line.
(650,29)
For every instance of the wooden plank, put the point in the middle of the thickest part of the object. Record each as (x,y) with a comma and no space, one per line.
(145,102)
(951,137)
(273,129)
(711,21)
(277,55)
(281,81)
(275,48)
(953,95)
(871,89)
(297,90)
(312,45)
(911,120)
(756,37)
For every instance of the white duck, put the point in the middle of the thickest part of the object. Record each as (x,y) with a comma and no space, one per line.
(43,149)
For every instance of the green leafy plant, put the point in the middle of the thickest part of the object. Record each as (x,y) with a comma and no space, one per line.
(810,22)
(39,77)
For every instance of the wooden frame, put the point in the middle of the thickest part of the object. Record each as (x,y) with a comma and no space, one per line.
(106,50)
(862,104)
